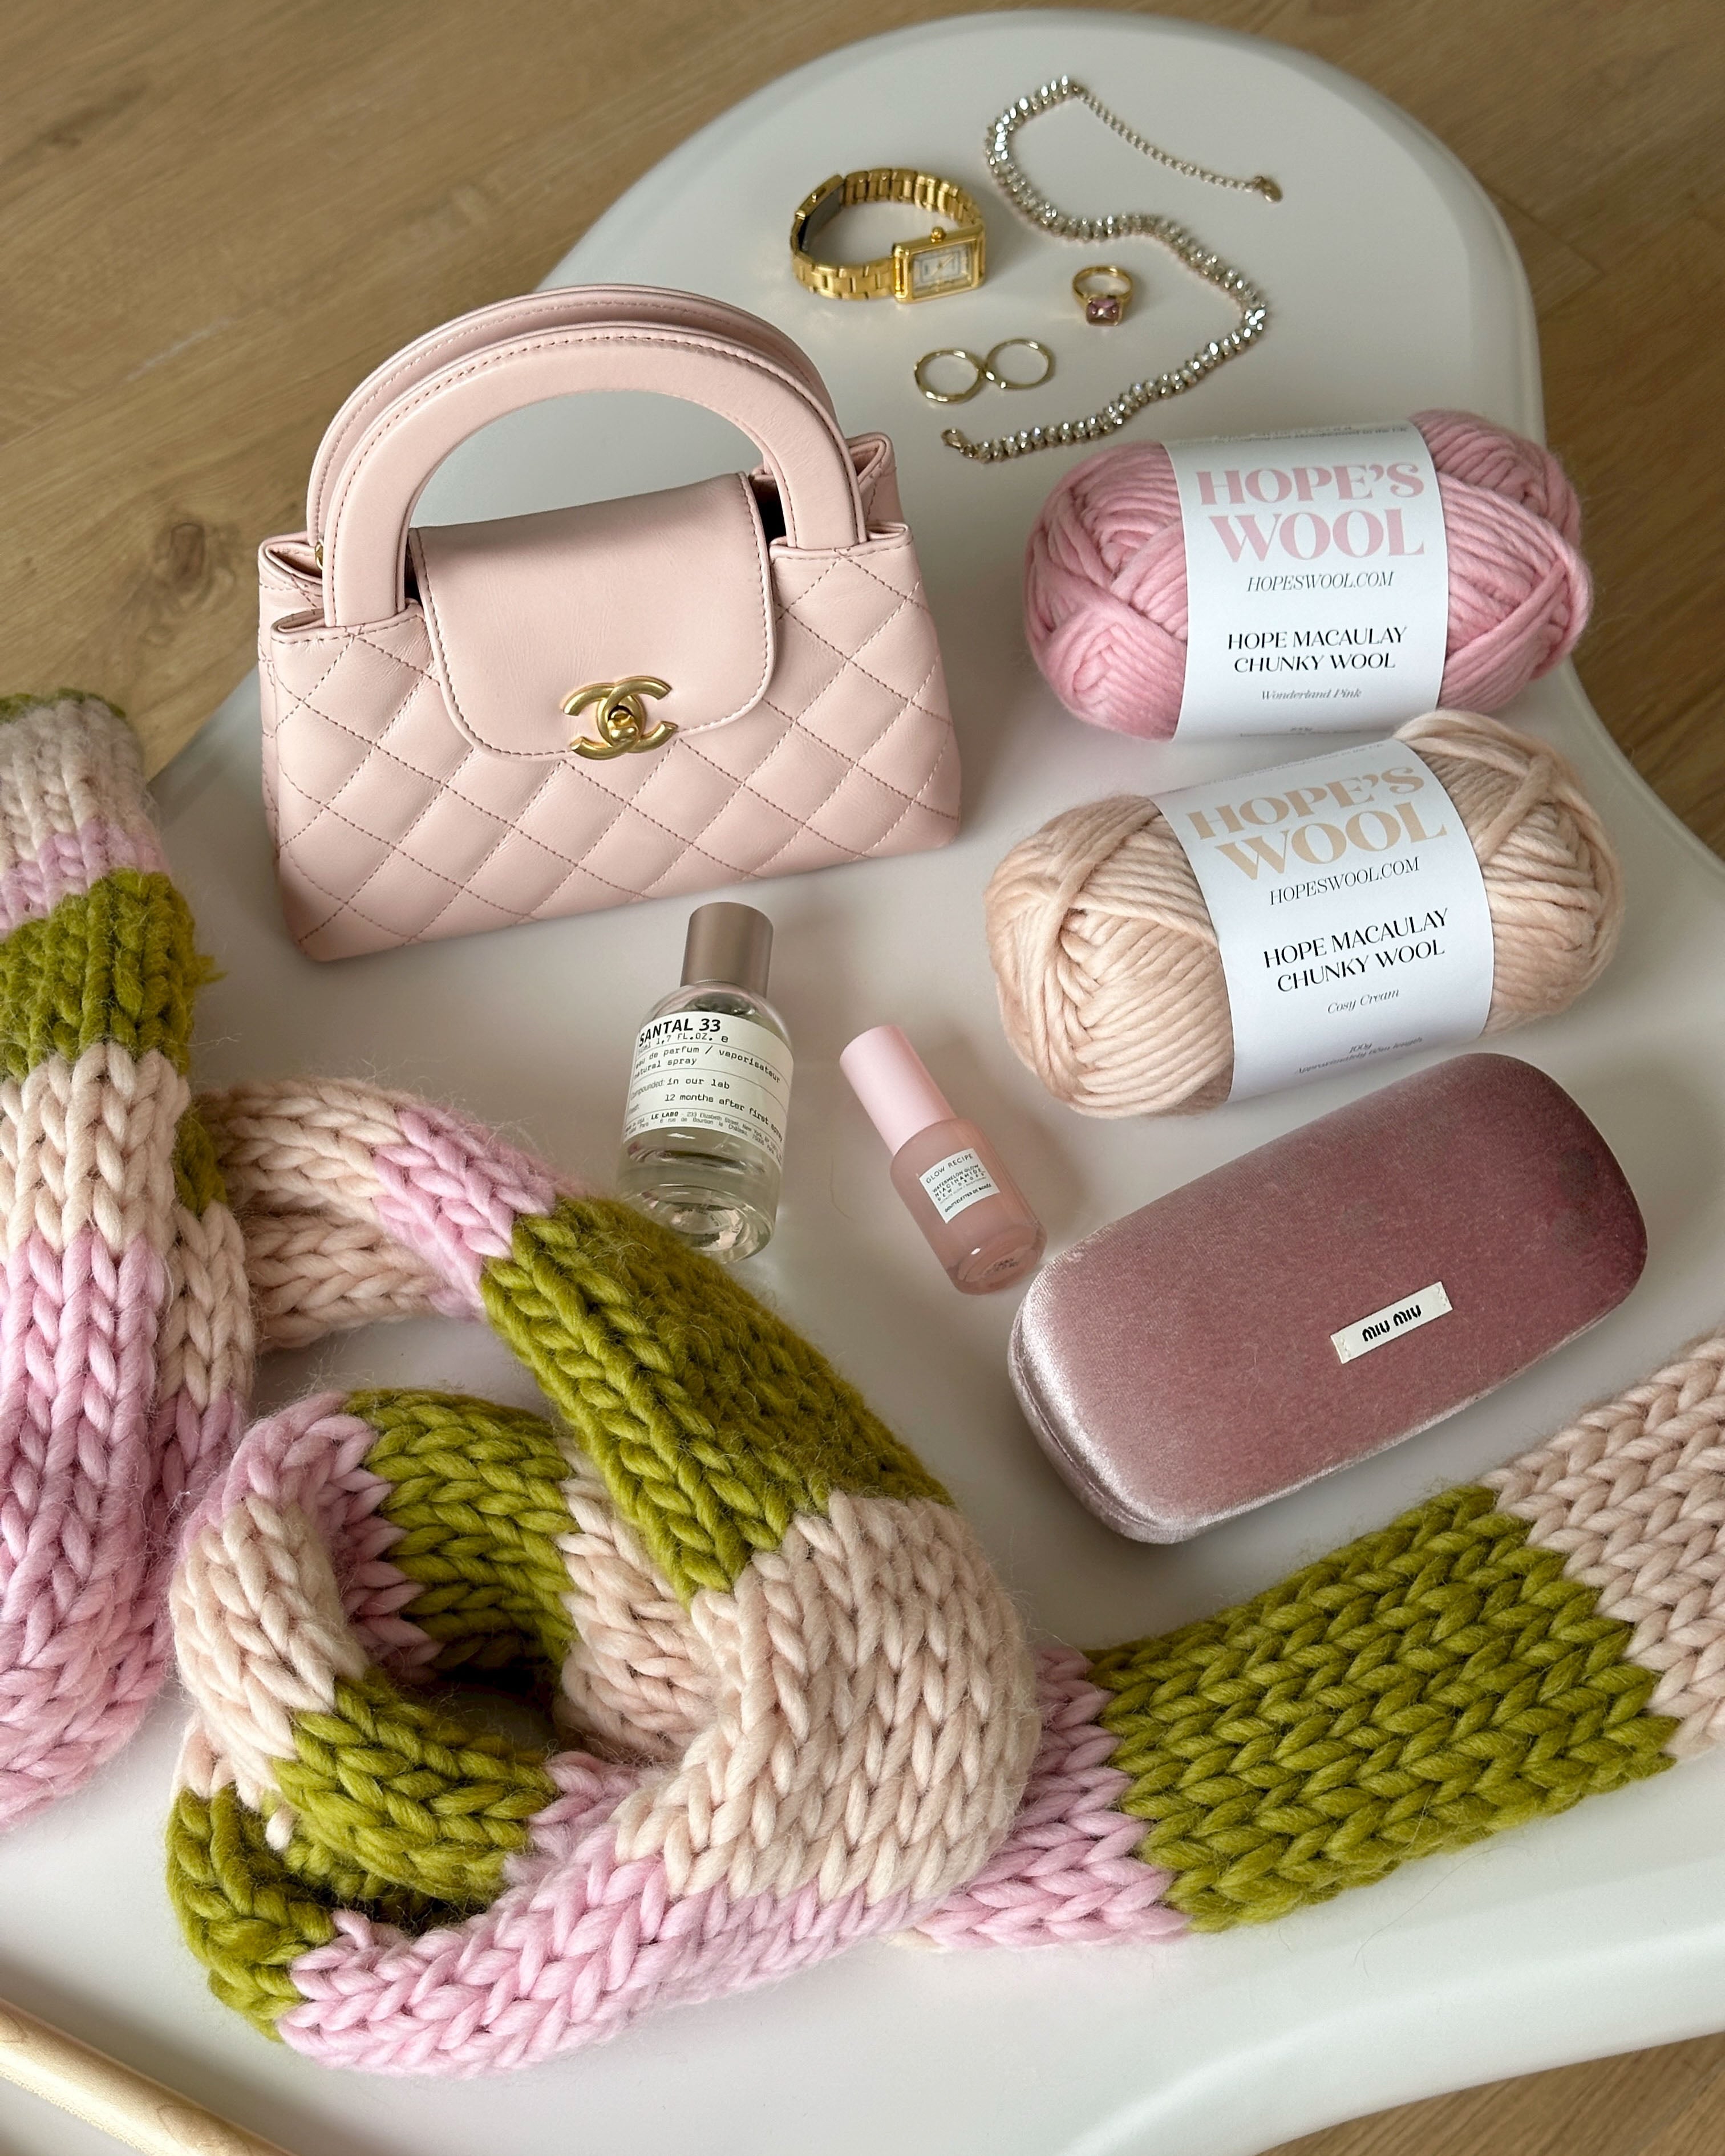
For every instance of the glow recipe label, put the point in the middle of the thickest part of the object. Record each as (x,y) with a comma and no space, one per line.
(1317,581)
(1349,907)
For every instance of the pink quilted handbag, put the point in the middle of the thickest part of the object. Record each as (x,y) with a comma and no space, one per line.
(466,725)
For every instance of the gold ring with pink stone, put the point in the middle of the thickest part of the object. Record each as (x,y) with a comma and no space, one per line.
(1105,292)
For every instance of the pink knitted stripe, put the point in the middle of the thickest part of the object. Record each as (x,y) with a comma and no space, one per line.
(72,862)
(81,1631)
(577,1946)
(580,1944)
(1066,1872)
(453,1193)
(312,1455)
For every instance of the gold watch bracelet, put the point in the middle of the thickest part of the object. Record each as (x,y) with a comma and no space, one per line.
(958,225)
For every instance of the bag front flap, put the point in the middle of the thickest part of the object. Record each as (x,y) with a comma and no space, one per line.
(525,613)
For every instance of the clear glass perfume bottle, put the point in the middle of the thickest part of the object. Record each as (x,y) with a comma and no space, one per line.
(954,1184)
(708,1091)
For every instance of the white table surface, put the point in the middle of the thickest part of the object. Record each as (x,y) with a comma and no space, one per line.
(1394,286)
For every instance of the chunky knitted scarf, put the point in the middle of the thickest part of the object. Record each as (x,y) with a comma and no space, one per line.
(125,1328)
(798,1707)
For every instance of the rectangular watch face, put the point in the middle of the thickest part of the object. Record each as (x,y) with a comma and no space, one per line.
(949,265)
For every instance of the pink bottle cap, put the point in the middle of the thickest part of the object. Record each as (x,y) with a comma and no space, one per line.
(887,1076)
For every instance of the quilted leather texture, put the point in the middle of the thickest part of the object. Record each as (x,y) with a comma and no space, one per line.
(391,827)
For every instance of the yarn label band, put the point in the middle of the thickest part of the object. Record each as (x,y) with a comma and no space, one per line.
(957,1182)
(1317,580)
(1349,907)
(703,1070)
(1389,1323)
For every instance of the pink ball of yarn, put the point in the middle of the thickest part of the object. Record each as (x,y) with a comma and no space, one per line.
(1105,576)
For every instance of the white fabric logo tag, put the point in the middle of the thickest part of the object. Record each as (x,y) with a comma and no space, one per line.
(1317,580)
(1349,908)
(1390,1322)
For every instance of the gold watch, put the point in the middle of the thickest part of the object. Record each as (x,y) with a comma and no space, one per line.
(949,260)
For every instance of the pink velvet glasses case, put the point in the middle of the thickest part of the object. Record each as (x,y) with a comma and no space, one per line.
(1330,1294)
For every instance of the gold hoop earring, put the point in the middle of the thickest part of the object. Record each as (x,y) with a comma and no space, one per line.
(1018,344)
(985,369)
(950,396)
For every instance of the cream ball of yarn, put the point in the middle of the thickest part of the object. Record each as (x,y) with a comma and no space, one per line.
(1111,986)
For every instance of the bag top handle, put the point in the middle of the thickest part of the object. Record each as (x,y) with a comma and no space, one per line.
(366,526)
(564,307)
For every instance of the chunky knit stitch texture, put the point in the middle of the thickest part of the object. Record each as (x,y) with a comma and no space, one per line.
(796,1706)
(1422,1687)
(125,1328)
(808,1712)
(795,1700)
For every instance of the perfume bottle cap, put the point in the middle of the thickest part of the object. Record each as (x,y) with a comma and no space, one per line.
(729,945)
(887,1076)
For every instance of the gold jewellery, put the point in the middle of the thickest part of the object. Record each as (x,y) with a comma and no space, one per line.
(983,370)
(1105,292)
(622,725)
(1253,308)
(949,260)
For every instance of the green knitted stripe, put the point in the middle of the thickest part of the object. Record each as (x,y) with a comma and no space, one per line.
(197,1175)
(249,1911)
(244,1915)
(476,1491)
(15,704)
(115,962)
(710,1421)
(1421,1688)
(307,1866)
(388,1786)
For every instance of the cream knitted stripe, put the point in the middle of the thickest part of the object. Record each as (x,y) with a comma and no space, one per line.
(261,1636)
(418,1198)
(638,1675)
(199,1766)
(308,1147)
(300,1158)
(311,1277)
(874,1719)
(91,1143)
(261,1626)
(311,1456)
(205,1349)
(1632,1493)
(71,767)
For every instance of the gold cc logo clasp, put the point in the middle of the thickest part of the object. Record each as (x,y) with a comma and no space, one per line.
(622,723)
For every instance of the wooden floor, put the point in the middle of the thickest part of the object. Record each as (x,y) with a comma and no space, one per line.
(217,215)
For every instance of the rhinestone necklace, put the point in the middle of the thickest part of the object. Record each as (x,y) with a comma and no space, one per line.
(1048,217)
